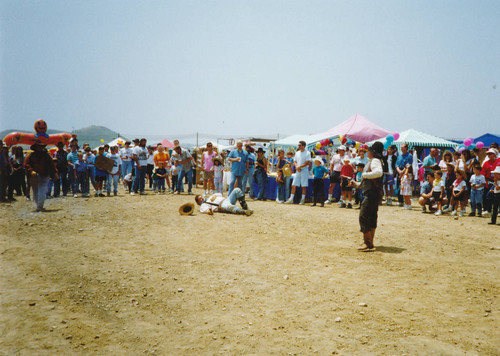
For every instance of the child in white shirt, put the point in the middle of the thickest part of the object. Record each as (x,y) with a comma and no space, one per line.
(477,184)
(438,191)
(218,169)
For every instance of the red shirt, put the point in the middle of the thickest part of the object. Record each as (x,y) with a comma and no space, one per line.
(488,167)
(347,171)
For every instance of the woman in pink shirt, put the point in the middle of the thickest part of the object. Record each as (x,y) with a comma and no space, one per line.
(207,163)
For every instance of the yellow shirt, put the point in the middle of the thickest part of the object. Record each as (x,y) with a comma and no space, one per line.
(161,157)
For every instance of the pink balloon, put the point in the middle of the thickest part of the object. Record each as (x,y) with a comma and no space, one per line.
(467,142)
(479,144)
(396,136)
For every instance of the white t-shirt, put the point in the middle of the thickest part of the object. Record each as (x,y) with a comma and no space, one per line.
(142,155)
(458,187)
(389,164)
(302,157)
(126,154)
(117,162)
(337,162)
(477,180)
(438,185)
(495,189)
(151,158)
(217,170)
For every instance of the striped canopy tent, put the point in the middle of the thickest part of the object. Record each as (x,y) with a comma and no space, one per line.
(416,139)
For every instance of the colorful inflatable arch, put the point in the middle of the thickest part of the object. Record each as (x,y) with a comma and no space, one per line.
(20,138)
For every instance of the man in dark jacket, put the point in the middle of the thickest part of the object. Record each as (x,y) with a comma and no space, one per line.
(39,166)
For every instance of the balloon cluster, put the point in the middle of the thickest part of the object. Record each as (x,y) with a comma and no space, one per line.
(468,143)
(390,139)
(319,145)
(120,143)
(347,141)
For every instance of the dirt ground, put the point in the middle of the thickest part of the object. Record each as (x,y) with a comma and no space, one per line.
(128,275)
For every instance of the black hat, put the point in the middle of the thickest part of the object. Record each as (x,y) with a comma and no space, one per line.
(260,149)
(37,143)
(377,148)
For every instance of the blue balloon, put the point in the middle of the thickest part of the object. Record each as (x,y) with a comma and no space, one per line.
(386,145)
(472,146)
(461,146)
(390,138)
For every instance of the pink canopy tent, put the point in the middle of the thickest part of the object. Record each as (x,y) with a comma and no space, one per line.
(357,128)
(167,143)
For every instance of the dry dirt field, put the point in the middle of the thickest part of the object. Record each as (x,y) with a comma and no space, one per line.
(128,275)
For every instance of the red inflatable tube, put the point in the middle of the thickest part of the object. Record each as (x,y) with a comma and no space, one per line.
(20,138)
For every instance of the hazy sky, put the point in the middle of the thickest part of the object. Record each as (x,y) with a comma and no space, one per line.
(251,67)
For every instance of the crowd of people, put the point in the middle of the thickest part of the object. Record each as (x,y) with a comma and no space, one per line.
(447,181)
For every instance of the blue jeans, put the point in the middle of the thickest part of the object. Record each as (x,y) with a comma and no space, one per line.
(234,178)
(160,184)
(229,204)
(73,184)
(189,175)
(261,176)
(248,179)
(91,173)
(82,180)
(288,187)
(63,179)
(140,179)
(126,168)
(113,179)
(39,185)
(281,191)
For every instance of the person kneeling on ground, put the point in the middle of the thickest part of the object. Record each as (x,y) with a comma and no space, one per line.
(426,193)
(217,203)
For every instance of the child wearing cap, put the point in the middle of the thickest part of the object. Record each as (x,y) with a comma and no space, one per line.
(320,173)
(346,173)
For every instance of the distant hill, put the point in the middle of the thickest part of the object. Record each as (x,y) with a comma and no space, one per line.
(91,134)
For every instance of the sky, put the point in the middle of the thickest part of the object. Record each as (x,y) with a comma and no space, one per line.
(250,68)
